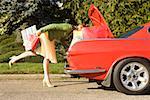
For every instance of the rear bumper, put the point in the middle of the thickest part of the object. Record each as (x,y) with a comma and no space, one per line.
(68,70)
(89,71)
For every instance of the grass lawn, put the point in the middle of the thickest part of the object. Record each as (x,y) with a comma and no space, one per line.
(30,68)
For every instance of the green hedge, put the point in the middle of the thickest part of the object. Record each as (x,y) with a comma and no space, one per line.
(121,15)
(5,57)
(8,47)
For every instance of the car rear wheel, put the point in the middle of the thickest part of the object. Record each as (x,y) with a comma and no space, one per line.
(132,76)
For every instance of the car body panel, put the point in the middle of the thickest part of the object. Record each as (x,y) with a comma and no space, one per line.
(99,28)
(103,53)
(143,33)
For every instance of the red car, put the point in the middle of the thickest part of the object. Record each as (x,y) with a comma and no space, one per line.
(123,62)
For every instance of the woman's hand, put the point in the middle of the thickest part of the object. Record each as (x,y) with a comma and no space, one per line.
(79,27)
(38,33)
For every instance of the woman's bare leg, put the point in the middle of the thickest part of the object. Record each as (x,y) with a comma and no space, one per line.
(54,59)
(49,55)
(46,80)
(22,55)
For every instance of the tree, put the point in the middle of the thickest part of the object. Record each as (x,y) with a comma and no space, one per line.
(15,13)
(121,15)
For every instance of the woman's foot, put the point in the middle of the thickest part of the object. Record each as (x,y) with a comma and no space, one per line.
(12,60)
(48,83)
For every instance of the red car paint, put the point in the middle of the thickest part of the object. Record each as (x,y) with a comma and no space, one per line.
(100,28)
(103,53)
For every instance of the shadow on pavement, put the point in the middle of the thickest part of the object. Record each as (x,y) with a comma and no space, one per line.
(105,88)
(73,83)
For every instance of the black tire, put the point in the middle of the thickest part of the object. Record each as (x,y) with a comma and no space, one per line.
(126,87)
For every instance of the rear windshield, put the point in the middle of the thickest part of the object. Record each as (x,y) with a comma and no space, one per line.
(125,35)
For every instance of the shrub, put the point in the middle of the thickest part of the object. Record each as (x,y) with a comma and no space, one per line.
(2,37)
(121,15)
(10,46)
(6,41)
(5,57)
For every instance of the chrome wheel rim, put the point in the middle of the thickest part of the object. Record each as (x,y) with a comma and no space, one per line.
(134,76)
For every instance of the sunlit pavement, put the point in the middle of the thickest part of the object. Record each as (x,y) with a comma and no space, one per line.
(22,87)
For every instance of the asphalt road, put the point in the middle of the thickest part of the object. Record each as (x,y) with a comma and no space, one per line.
(67,89)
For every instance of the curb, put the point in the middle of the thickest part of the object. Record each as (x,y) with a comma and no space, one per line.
(30,76)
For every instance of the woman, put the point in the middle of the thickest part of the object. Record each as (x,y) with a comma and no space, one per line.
(47,36)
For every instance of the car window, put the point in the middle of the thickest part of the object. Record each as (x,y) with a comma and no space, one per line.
(125,35)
